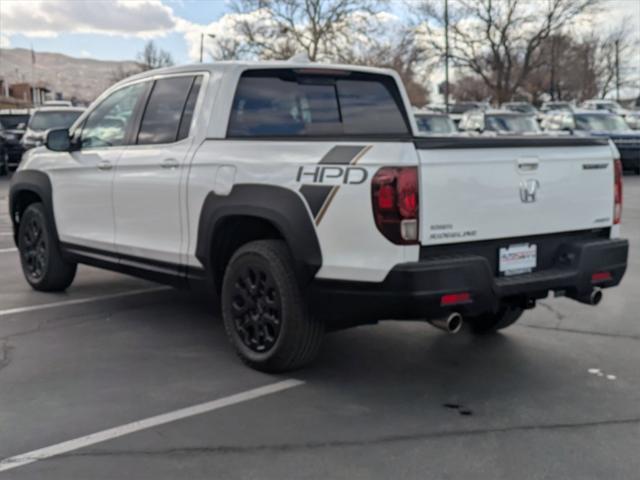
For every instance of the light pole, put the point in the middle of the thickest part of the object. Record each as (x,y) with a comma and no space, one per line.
(211,35)
(617,70)
(446,55)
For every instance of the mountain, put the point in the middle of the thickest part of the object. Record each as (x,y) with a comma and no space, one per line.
(82,78)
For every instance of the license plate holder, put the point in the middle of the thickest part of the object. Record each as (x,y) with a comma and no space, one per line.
(517,259)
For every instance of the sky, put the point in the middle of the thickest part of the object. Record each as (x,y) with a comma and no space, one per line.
(118,29)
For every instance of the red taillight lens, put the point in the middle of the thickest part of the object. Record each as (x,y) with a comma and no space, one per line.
(617,191)
(394,194)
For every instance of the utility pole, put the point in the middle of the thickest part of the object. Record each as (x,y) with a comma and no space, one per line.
(617,70)
(552,87)
(446,55)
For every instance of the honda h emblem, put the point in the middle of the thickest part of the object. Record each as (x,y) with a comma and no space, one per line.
(529,190)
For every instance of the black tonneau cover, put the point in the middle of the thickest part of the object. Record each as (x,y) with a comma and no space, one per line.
(428,143)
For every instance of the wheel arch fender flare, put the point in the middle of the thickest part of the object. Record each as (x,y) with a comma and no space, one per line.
(37,183)
(281,207)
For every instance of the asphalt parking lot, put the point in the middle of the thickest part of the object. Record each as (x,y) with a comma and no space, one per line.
(555,396)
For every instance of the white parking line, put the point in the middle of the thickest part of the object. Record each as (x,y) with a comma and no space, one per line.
(77,301)
(8,250)
(111,433)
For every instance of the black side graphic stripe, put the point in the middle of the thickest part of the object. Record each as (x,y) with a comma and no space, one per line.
(317,195)
(341,154)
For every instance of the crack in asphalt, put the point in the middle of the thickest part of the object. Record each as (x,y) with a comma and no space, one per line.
(6,354)
(583,332)
(295,447)
(559,316)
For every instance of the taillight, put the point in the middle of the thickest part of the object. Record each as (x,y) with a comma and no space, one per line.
(394,194)
(617,191)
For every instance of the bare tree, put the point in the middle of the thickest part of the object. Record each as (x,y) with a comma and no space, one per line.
(287,27)
(120,73)
(499,40)
(153,57)
(604,48)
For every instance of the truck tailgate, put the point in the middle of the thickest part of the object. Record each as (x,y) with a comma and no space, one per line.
(471,194)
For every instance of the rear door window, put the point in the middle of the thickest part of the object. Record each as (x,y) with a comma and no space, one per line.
(162,115)
(286,103)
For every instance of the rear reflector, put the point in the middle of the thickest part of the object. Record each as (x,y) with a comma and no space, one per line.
(600,277)
(455,298)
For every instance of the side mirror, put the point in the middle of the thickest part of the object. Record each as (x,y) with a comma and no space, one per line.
(58,140)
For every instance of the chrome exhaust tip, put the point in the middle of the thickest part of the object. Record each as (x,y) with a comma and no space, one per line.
(450,324)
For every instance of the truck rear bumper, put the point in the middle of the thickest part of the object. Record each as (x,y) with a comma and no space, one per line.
(427,288)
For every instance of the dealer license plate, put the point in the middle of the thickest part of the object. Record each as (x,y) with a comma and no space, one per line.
(518,259)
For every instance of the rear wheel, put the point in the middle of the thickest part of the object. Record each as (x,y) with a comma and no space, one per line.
(489,323)
(4,163)
(264,312)
(42,263)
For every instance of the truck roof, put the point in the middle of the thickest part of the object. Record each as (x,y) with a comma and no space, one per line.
(235,65)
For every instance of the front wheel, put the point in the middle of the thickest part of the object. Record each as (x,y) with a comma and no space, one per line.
(265,315)
(506,316)
(42,263)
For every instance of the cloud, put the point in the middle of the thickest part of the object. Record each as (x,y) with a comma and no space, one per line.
(136,18)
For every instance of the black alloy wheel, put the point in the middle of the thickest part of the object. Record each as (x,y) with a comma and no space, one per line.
(256,308)
(34,248)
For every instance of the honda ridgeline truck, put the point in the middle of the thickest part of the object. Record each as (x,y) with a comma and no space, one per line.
(302,197)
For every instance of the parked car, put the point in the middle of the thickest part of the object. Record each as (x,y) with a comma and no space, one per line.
(300,195)
(633,119)
(57,103)
(458,109)
(499,122)
(13,123)
(46,118)
(608,105)
(555,105)
(600,123)
(434,123)
(520,107)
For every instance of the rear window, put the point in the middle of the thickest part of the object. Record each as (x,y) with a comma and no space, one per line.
(286,103)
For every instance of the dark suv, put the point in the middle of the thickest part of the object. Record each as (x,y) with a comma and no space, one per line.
(600,123)
(13,124)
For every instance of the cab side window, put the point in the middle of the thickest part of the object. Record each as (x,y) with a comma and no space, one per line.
(163,120)
(107,125)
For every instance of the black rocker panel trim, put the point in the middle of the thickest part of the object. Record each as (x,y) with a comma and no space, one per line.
(284,209)
(162,272)
(37,183)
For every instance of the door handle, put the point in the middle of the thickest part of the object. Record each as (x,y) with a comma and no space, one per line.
(105,165)
(170,163)
(528,164)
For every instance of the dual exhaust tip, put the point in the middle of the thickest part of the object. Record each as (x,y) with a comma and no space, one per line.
(450,324)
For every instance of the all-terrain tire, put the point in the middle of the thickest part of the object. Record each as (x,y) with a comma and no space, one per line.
(4,163)
(42,263)
(490,323)
(264,311)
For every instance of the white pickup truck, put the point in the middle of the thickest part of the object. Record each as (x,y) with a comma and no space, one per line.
(301,196)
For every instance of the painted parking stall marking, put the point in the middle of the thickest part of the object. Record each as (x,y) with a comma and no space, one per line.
(78,301)
(116,432)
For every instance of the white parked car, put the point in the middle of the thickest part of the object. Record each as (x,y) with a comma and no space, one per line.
(301,196)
